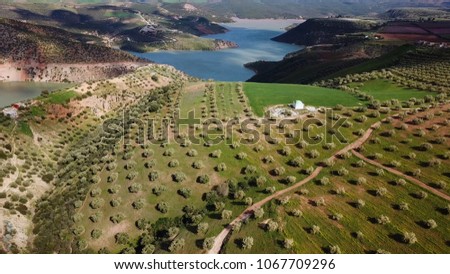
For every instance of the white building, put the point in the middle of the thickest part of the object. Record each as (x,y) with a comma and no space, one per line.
(11,112)
(298,105)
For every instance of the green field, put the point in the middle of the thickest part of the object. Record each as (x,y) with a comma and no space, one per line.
(262,96)
(61,97)
(384,90)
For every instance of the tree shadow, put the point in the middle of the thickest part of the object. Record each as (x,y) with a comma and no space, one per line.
(397,237)
(372,220)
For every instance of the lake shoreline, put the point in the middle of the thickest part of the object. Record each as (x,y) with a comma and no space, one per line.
(253,36)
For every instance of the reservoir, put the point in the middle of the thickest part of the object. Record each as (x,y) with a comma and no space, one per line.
(13,92)
(253,38)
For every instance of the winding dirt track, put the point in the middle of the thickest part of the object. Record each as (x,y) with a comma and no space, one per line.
(219,240)
(400,174)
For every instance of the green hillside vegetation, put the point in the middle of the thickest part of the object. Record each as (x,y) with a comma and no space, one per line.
(29,42)
(384,90)
(262,96)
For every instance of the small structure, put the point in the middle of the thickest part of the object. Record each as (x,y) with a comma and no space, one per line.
(298,105)
(11,112)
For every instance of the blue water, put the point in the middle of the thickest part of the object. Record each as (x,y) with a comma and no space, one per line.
(228,65)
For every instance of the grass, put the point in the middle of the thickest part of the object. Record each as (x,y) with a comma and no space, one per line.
(384,90)
(341,233)
(263,95)
(24,128)
(61,97)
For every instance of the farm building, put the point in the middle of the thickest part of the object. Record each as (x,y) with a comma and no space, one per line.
(11,112)
(298,105)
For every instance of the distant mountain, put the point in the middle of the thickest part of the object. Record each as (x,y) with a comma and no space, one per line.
(279,8)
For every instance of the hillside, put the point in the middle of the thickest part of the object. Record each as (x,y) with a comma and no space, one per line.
(42,53)
(416,14)
(324,31)
(318,62)
(128,26)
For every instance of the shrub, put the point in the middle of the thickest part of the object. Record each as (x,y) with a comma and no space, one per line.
(150,164)
(400,182)
(271,226)
(334,249)
(381,191)
(284,201)
(169,152)
(297,162)
(260,181)
(383,220)
(247,243)
(360,203)
(185,192)
(426,147)
(324,181)
(421,195)
(320,202)
(96,233)
(162,207)
(403,206)
(297,213)
(270,190)
(440,185)
(288,243)
(208,243)
(122,238)
(239,195)
(379,172)
(192,153)
(176,245)
(96,192)
(361,181)
(279,171)
(258,213)
(250,170)
(221,167)
(139,204)
(174,163)
(148,249)
(117,219)
(268,159)
(242,156)
(198,165)
(291,180)
(153,176)
(313,154)
(135,188)
(115,202)
(95,218)
(248,201)
(430,224)
(337,216)
(158,191)
(409,238)
(286,151)
(179,177)
(315,229)
(342,171)
(216,154)
(97,203)
(202,228)
(203,179)
(226,214)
